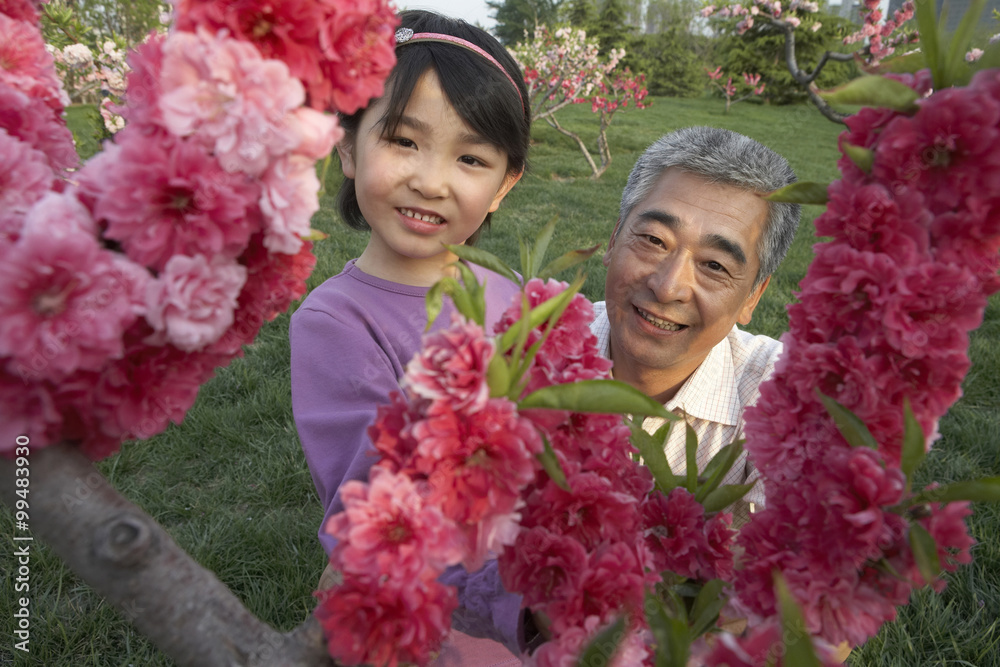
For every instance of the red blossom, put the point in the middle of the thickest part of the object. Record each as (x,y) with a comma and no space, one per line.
(450,369)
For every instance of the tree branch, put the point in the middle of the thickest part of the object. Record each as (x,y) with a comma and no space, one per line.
(129,559)
(807,81)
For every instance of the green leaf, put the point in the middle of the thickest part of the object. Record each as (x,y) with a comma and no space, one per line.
(525,258)
(567,261)
(654,455)
(724,496)
(925,553)
(914,444)
(595,396)
(537,254)
(985,490)
(498,376)
(665,633)
(852,428)
(799,649)
(707,606)
(804,192)
(434,301)
(957,71)
(550,462)
(691,457)
(717,468)
(864,158)
(603,647)
(874,91)
(926,15)
(486,259)
(477,296)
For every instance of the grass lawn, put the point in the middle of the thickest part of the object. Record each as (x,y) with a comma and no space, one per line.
(232,487)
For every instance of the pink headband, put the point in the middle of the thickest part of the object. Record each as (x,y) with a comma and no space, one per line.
(407,36)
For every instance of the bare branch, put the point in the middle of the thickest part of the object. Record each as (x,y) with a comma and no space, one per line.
(129,559)
(807,81)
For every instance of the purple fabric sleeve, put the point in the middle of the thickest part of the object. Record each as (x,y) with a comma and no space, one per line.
(350,342)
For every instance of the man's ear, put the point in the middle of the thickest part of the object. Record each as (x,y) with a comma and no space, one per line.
(346,154)
(746,312)
(509,181)
(611,242)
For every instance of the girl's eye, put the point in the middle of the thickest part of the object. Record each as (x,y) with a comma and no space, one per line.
(402,141)
(471,160)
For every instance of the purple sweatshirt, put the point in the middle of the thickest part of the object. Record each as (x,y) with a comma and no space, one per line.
(351,340)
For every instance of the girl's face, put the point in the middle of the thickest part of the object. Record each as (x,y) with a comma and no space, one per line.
(430,183)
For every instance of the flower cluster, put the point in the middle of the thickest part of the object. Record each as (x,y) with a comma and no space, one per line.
(768,10)
(123,290)
(752,81)
(580,559)
(447,490)
(342,52)
(883,319)
(878,30)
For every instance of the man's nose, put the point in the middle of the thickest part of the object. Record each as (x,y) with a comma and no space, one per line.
(673,279)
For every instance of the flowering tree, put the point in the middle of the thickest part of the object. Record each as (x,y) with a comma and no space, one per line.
(564,67)
(883,36)
(123,289)
(753,85)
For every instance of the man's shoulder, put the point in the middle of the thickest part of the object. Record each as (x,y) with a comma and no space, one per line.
(754,356)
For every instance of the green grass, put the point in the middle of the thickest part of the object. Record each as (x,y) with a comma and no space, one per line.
(232,487)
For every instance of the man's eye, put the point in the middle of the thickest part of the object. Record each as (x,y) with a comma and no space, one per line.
(715,266)
(654,240)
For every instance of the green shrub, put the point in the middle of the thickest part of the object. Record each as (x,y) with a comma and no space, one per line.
(669,61)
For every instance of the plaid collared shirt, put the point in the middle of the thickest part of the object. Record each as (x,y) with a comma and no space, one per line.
(712,400)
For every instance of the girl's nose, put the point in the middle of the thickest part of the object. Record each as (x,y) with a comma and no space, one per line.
(673,279)
(430,178)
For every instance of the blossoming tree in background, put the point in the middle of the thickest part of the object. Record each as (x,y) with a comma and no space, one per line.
(123,289)
(882,35)
(753,86)
(563,67)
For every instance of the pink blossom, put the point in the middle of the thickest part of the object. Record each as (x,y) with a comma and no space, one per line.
(65,301)
(946,524)
(476,464)
(30,120)
(793,21)
(161,196)
(592,511)
(388,528)
(191,302)
(358,45)
(25,177)
(288,201)
(26,66)
(143,90)
(391,434)
(543,566)
(222,91)
(28,409)
(139,395)
(682,541)
(450,368)
(386,622)
(21,10)
(318,132)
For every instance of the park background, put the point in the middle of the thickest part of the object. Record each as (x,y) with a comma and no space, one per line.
(230,483)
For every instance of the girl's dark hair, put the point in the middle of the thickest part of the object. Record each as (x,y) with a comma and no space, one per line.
(480,93)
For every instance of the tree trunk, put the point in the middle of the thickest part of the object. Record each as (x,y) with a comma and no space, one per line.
(124,555)
(579,142)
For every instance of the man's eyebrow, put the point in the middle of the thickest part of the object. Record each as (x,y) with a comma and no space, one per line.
(717,241)
(466,138)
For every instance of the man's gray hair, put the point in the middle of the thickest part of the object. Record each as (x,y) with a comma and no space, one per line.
(728,158)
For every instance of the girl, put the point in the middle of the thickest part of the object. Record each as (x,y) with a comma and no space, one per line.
(426,164)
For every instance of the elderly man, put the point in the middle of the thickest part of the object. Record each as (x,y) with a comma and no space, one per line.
(693,250)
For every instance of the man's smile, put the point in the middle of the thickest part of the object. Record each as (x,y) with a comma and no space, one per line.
(659,323)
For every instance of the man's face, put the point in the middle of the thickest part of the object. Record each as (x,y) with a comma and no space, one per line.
(680,275)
